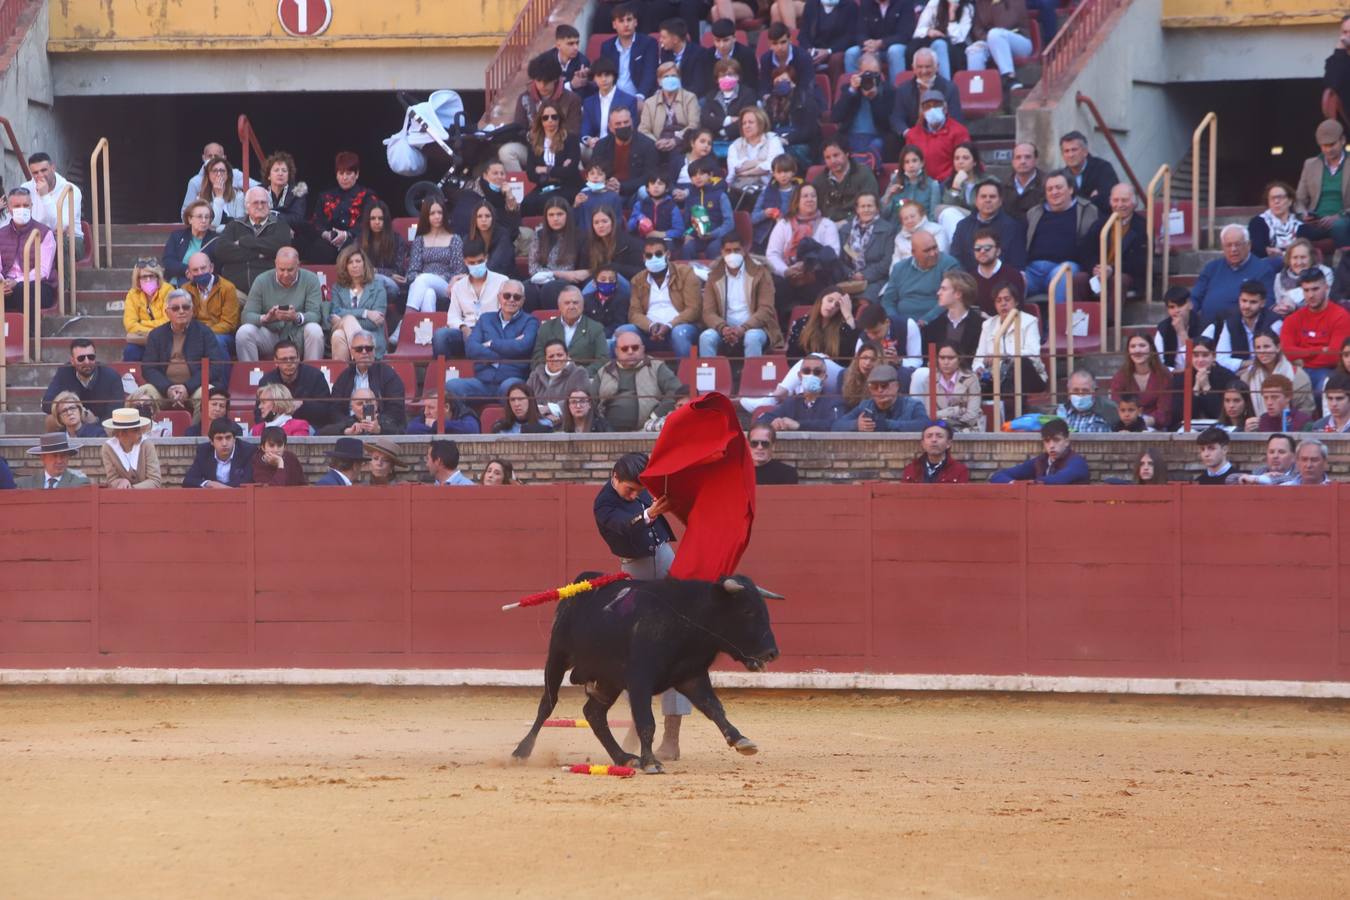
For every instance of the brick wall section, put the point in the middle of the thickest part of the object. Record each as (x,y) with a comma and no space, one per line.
(818,458)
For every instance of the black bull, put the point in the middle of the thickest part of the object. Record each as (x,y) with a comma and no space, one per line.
(645,637)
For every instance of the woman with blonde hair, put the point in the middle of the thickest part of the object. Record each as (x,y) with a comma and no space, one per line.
(1268,359)
(129,460)
(554,159)
(275,405)
(147,399)
(69,415)
(143,308)
(218,190)
(750,156)
(359,303)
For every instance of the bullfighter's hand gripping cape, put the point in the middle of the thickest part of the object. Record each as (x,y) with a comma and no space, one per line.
(702,462)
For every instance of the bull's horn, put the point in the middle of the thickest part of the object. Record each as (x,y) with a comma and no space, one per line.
(772,595)
(732,586)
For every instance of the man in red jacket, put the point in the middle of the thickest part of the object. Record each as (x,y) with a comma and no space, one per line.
(937,134)
(1314,332)
(935,464)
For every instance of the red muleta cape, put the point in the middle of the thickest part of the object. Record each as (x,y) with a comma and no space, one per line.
(702,462)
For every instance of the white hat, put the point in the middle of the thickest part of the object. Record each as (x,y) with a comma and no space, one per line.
(126,417)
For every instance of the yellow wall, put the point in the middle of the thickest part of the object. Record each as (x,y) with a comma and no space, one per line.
(1241,13)
(79,25)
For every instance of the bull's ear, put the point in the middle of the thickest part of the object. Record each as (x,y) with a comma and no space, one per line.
(732,586)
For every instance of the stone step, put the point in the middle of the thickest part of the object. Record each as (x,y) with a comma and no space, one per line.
(25,399)
(100,303)
(126,255)
(108,348)
(1190,262)
(118,278)
(97,326)
(26,423)
(144,232)
(1002,127)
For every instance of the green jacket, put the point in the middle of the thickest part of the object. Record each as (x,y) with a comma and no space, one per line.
(71,478)
(588,348)
(305,296)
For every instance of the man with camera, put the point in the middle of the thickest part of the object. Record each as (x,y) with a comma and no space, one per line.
(377,377)
(365,415)
(864,107)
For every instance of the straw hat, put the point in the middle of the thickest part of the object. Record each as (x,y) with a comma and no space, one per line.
(126,417)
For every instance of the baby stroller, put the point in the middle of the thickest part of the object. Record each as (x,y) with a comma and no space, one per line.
(437,127)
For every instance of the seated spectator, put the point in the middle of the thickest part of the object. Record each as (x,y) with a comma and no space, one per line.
(497,236)
(1150,467)
(556,257)
(215,300)
(989,215)
(500,346)
(698,143)
(436,258)
(553,162)
(1133,247)
(666,307)
(1236,331)
(551,382)
(366,414)
(882,28)
(1182,323)
(910,182)
(993,276)
(458,417)
(520,413)
(707,209)
(934,463)
(1313,333)
(599,192)
(306,384)
(1131,415)
(827,28)
(828,329)
(1093,177)
(194,185)
(914,219)
(1317,201)
(388,251)
(863,109)
(1059,464)
(606,303)
(1279,466)
(174,350)
(45,186)
(1276,227)
(959,323)
(814,407)
(580,417)
(1087,412)
(97,386)
(365,372)
(839,185)
(147,400)
(283,304)
(1061,232)
(13,235)
(1336,69)
(607,95)
(273,464)
(958,191)
(1216,289)
(1017,337)
(143,308)
(1311,462)
(783,53)
(792,116)
(1268,359)
(248,246)
(768,470)
(658,214)
(945,28)
(1277,396)
(490,187)
(937,135)
(69,417)
(738,312)
(129,461)
(796,251)
(912,290)
(1025,188)
(219,193)
(217,407)
(1237,408)
(722,108)
(868,242)
(358,305)
(957,391)
(1297,259)
(771,204)
(55,452)
(907,112)
(575,67)
(725,46)
(1336,401)
(287,195)
(344,463)
(625,154)
(884,410)
(338,211)
(275,409)
(196,237)
(583,338)
(1143,375)
(695,63)
(634,389)
(1210,380)
(1212,446)
(472,295)
(224,462)
(750,156)
(497,472)
(1002,30)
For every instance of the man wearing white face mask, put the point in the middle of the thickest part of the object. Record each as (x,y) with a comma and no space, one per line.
(738,306)
(12,239)
(937,135)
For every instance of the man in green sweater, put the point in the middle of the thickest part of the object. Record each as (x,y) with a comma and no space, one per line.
(283,304)
(1323,195)
(584,338)
(911,291)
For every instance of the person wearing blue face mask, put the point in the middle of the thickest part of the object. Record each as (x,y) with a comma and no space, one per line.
(666,306)
(215,300)
(471,295)
(812,409)
(669,115)
(1086,412)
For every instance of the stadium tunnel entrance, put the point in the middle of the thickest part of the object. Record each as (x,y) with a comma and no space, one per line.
(155,141)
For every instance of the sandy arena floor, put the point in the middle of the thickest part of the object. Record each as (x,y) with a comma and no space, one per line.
(406,792)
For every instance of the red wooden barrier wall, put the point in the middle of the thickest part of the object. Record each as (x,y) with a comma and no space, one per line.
(1172,581)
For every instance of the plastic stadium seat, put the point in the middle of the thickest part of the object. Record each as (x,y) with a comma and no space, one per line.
(902,77)
(888,171)
(130,368)
(13,337)
(981,92)
(405,226)
(761,375)
(593,45)
(415,335)
(1082,343)
(180,420)
(245,378)
(745,229)
(1160,220)
(327,274)
(490,416)
(824,92)
(802,309)
(813,171)
(718,369)
(543,315)
(762,44)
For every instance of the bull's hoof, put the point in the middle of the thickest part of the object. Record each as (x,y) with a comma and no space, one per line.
(745,746)
(654,769)
(629,759)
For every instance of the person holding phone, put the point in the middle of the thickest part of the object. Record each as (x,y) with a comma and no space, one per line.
(364,416)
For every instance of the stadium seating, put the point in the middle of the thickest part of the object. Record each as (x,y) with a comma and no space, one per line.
(718,368)
(761,375)
(981,93)
(415,334)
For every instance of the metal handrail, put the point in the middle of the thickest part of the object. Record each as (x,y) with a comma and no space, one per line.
(248,140)
(13,139)
(1188,387)
(1064,271)
(1084,100)
(1012,320)
(65,205)
(30,271)
(1073,37)
(1165,173)
(101,151)
(510,57)
(1211,120)
(1115,226)
(932,380)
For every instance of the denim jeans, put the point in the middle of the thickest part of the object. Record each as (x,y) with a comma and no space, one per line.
(710,343)
(448,343)
(680,341)
(226,342)
(1039,274)
(944,57)
(479,389)
(894,57)
(1003,45)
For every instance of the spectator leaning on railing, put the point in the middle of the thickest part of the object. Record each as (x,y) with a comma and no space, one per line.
(1059,464)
